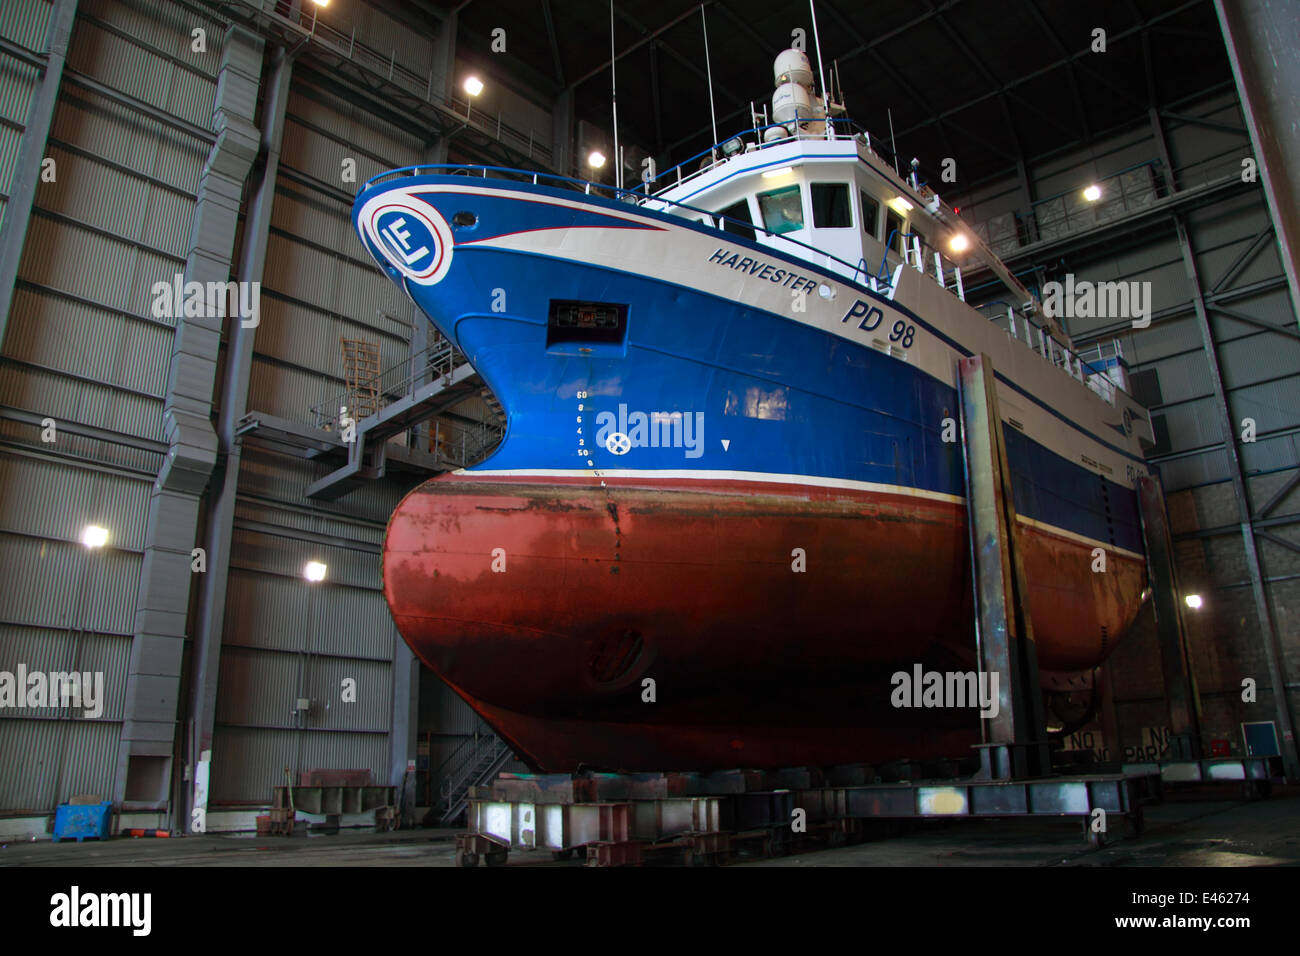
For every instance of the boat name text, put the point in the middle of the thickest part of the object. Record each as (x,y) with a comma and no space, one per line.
(764,270)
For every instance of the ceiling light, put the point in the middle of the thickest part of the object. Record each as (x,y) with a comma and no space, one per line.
(1092,193)
(321,3)
(1193,601)
(93,536)
(595,159)
(473,85)
(776,173)
(958,243)
(314,571)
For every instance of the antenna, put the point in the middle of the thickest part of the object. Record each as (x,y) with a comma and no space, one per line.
(820,74)
(709,67)
(613,96)
(893,147)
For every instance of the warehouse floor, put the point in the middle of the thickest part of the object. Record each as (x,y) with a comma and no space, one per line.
(1186,830)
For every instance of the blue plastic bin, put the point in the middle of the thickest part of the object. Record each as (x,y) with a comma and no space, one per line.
(79,822)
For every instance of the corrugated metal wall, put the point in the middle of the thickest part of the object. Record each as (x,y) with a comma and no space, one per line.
(284,638)
(1170,372)
(84,349)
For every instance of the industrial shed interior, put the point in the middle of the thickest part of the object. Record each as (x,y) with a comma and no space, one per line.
(178,509)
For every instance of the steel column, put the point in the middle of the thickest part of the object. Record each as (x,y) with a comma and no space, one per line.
(1268,636)
(1260,38)
(234,400)
(1015,745)
(1180,688)
(31,152)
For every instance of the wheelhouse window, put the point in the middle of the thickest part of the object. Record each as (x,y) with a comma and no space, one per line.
(744,226)
(870,215)
(831,206)
(782,209)
(894,231)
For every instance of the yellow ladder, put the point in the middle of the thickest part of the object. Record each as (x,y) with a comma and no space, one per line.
(361,376)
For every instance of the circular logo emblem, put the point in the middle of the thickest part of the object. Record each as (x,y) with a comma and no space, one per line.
(410,234)
(618,443)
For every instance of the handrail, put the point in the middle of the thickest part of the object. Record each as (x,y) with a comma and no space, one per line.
(443,358)
(620,193)
(641,198)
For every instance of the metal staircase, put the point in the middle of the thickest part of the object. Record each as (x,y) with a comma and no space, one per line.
(408,394)
(473,764)
(494,406)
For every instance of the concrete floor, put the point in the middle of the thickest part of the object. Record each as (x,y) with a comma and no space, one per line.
(1187,830)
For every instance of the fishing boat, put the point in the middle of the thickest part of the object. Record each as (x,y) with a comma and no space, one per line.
(729,504)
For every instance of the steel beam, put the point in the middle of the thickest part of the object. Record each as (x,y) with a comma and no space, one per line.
(31,153)
(219,529)
(1268,636)
(1180,688)
(1015,740)
(1260,39)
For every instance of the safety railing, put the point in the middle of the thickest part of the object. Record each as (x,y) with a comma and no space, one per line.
(306,22)
(466,767)
(719,154)
(439,360)
(459,446)
(1098,377)
(818,257)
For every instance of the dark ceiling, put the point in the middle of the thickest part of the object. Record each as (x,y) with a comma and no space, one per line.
(982,81)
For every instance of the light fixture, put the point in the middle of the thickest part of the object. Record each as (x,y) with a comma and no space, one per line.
(958,243)
(314,571)
(473,85)
(321,3)
(777,173)
(595,159)
(1193,601)
(1092,193)
(93,536)
(899,204)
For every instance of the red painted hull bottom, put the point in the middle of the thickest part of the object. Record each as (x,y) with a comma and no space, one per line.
(547,606)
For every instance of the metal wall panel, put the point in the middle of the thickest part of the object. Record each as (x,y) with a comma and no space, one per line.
(17,80)
(54,650)
(369,535)
(60,759)
(56,253)
(66,399)
(107,346)
(1203,469)
(55,501)
(63,585)
(272,554)
(25,21)
(268,612)
(248,763)
(128,138)
(165,25)
(126,66)
(306,337)
(267,475)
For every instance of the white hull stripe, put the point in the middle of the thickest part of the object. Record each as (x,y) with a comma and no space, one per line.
(701,475)
(775,479)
